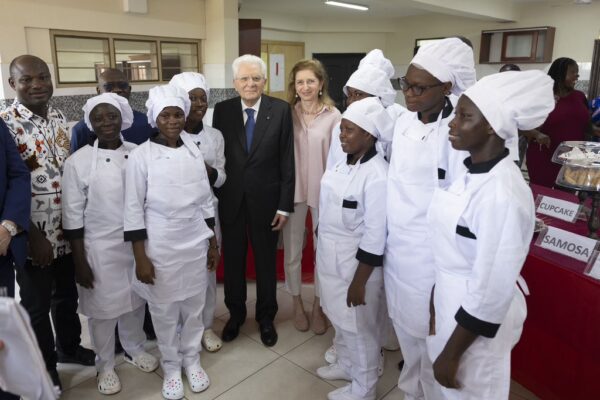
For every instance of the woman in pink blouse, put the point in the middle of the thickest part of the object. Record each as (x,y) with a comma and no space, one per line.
(314,116)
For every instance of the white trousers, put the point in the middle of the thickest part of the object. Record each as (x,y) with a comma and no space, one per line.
(416,378)
(293,239)
(358,352)
(208,315)
(131,334)
(181,349)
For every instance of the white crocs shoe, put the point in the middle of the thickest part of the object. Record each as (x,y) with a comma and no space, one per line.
(211,341)
(197,378)
(108,382)
(333,372)
(331,355)
(144,361)
(172,388)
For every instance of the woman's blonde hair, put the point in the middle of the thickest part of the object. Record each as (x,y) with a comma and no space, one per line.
(317,68)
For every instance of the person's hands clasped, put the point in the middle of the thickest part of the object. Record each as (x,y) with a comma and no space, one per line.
(278,222)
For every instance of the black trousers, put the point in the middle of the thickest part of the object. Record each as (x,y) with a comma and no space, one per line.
(7,280)
(7,275)
(235,247)
(52,290)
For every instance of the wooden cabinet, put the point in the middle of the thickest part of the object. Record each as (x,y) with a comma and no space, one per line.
(526,45)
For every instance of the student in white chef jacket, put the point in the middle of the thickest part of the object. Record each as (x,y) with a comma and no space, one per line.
(93,192)
(351,239)
(371,79)
(481,227)
(212,146)
(169,216)
(419,164)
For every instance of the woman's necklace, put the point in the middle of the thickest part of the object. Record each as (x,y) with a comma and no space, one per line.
(307,112)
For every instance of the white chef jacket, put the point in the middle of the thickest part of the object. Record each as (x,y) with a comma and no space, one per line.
(212,146)
(168,203)
(351,229)
(481,227)
(93,199)
(420,163)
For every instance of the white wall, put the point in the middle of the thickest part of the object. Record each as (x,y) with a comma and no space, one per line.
(26,25)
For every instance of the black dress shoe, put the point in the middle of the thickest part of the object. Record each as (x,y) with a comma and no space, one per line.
(268,334)
(231,330)
(81,356)
(55,378)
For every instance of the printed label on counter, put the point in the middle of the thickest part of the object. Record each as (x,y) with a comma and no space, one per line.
(567,243)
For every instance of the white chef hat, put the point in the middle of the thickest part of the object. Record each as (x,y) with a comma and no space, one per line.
(189,81)
(376,59)
(513,100)
(449,60)
(370,114)
(373,77)
(120,102)
(163,96)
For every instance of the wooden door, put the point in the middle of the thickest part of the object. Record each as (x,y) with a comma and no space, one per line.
(280,58)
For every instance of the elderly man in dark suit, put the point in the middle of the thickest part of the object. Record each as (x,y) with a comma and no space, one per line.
(258,195)
(15,208)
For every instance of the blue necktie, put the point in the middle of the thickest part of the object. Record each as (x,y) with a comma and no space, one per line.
(250,123)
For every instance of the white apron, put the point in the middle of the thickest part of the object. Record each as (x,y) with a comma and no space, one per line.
(109,256)
(337,244)
(177,242)
(409,265)
(484,371)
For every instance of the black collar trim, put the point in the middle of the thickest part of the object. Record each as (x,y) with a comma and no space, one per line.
(158,140)
(486,166)
(446,111)
(372,152)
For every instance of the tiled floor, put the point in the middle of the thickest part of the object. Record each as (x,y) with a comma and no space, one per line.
(245,369)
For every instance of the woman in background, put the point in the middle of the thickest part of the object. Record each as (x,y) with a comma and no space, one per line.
(570,120)
(314,116)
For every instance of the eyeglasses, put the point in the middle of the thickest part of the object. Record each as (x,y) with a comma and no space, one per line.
(246,79)
(110,86)
(416,89)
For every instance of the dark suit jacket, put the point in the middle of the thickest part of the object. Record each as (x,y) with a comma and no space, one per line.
(15,193)
(265,177)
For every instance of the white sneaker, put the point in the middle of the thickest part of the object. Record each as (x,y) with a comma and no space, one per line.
(344,389)
(172,388)
(333,372)
(381,365)
(345,393)
(144,361)
(197,378)
(108,382)
(331,355)
(211,341)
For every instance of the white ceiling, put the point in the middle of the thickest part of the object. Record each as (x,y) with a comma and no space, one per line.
(317,8)
(386,8)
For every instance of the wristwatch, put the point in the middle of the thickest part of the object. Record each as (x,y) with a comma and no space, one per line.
(10,227)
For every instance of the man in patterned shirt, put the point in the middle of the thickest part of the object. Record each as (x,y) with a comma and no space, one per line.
(47,281)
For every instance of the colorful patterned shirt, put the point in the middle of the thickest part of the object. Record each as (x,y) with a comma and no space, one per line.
(44,145)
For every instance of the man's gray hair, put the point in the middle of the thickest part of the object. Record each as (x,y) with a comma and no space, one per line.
(249,59)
